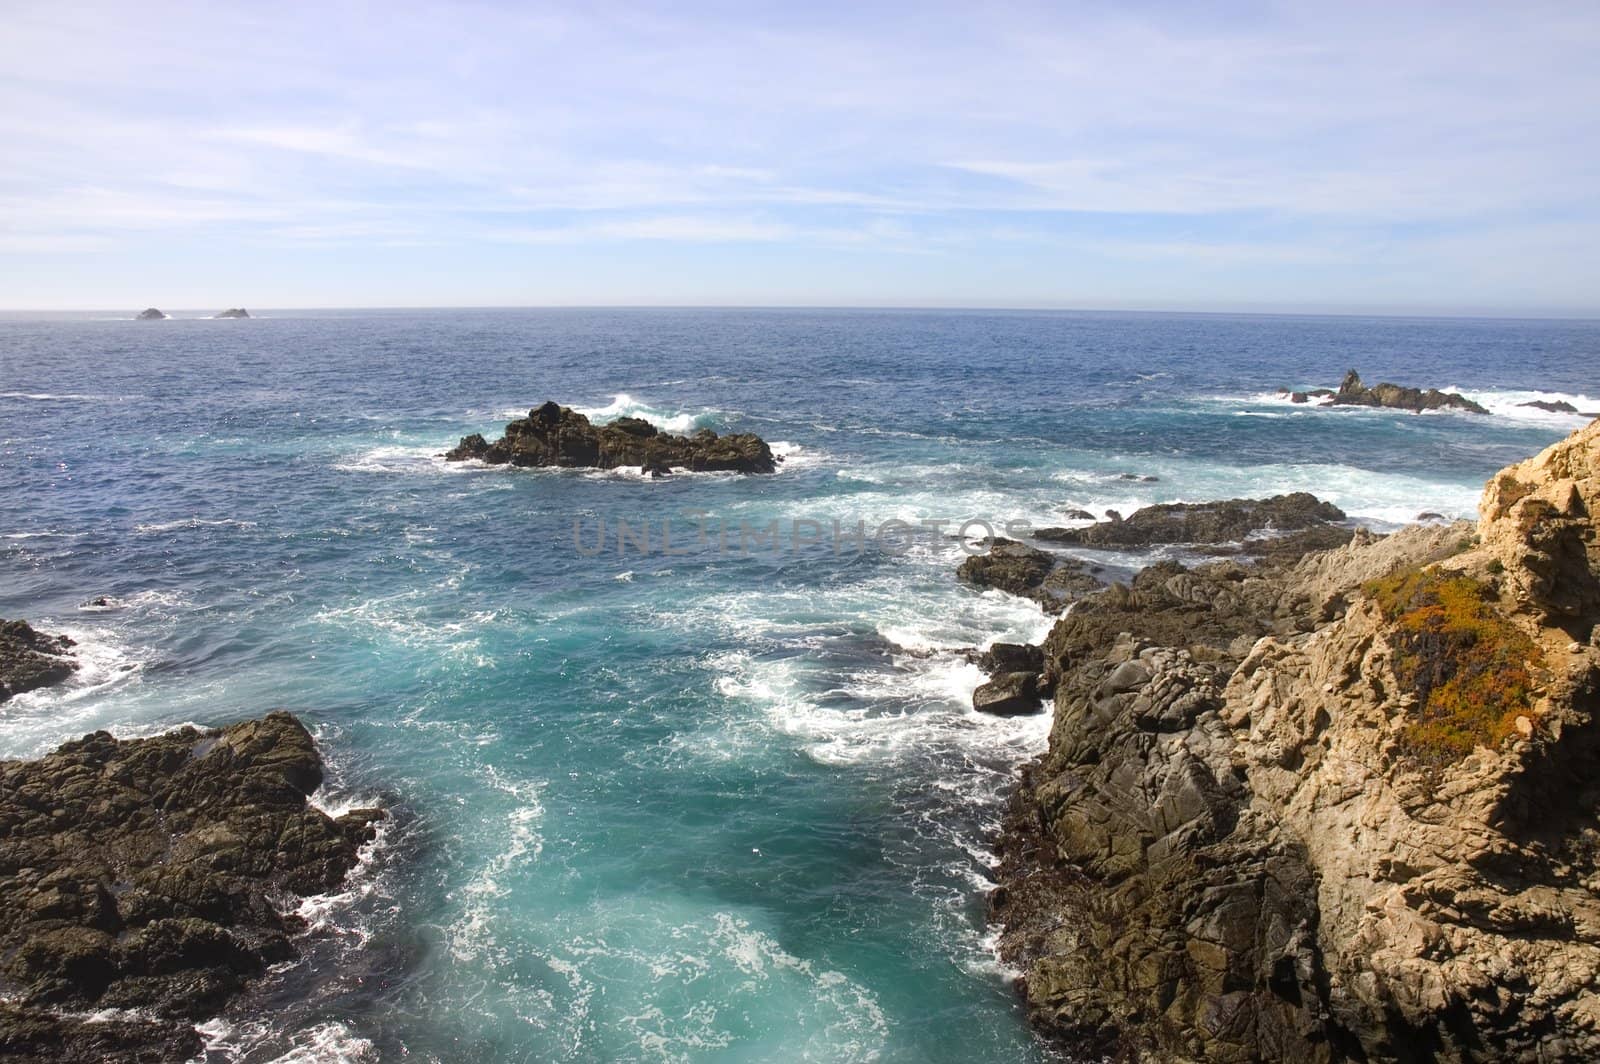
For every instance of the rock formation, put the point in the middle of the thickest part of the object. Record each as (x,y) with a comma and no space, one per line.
(150,314)
(1229,521)
(150,875)
(553,435)
(1339,808)
(1050,579)
(30,659)
(1396,396)
(234,312)
(1559,406)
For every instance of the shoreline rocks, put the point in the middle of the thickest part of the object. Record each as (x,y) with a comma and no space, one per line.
(153,875)
(558,436)
(1228,521)
(1269,827)
(31,659)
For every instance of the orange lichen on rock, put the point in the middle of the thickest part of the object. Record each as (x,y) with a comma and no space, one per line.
(1471,669)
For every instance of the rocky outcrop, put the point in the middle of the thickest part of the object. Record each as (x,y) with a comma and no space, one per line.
(1230,521)
(152,875)
(1339,809)
(30,659)
(1049,578)
(1352,392)
(1559,406)
(553,435)
(234,312)
(150,314)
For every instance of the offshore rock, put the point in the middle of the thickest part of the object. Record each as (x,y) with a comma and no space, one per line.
(1352,392)
(30,659)
(234,312)
(150,875)
(150,314)
(1261,833)
(553,435)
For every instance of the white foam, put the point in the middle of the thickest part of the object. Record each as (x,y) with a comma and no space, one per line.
(329,1043)
(52,397)
(624,405)
(192,523)
(396,459)
(1507,403)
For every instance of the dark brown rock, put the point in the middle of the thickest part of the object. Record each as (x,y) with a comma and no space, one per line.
(149,874)
(1229,521)
(1048,578)
(1352,392)
(30,659)
(553,435)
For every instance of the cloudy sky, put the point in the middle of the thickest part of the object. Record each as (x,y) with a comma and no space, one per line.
(1162,155)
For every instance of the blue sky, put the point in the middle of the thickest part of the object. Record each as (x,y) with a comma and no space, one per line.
(1221,156)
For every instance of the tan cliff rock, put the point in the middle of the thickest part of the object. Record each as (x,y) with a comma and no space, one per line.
(1305,814)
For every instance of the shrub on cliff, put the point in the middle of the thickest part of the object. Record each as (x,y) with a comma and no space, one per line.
(1471,669)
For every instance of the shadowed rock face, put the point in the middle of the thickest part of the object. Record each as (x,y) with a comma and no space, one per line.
(150,874)
(30,659)
(1232,851)
(1352,392)
(1203,522)
(150,314)
(553,435)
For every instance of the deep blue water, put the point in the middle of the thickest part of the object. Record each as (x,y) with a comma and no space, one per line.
(691,807)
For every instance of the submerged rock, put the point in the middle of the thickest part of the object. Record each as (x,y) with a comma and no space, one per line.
(149,314)
(553,435)
(1352,392)
(30,659)
(150,875)
(1205,522)
(234,312)
(1336,808)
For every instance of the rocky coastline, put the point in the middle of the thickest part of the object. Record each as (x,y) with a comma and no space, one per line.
(145,882)
(1322,804)
(558,436)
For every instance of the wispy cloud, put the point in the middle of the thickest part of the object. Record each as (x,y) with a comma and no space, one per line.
(1275,144)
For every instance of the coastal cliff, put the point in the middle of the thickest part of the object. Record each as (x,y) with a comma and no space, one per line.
(1334,808)
(155,878)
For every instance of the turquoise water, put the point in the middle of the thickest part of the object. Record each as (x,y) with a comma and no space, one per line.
(699,806)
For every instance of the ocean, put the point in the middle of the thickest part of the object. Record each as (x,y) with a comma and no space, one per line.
(691,802)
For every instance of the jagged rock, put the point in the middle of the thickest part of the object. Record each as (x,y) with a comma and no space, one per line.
(149,874)
(1204,522)
(553,435)
(1075,514)
(1048,578)
(1235,848)
(1009,694)
(1352,392)
(30,659)
(150,314)
(234,312)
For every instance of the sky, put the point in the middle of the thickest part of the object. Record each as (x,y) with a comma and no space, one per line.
(1410,158)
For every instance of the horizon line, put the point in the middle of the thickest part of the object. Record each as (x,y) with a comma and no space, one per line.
(1335,311)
